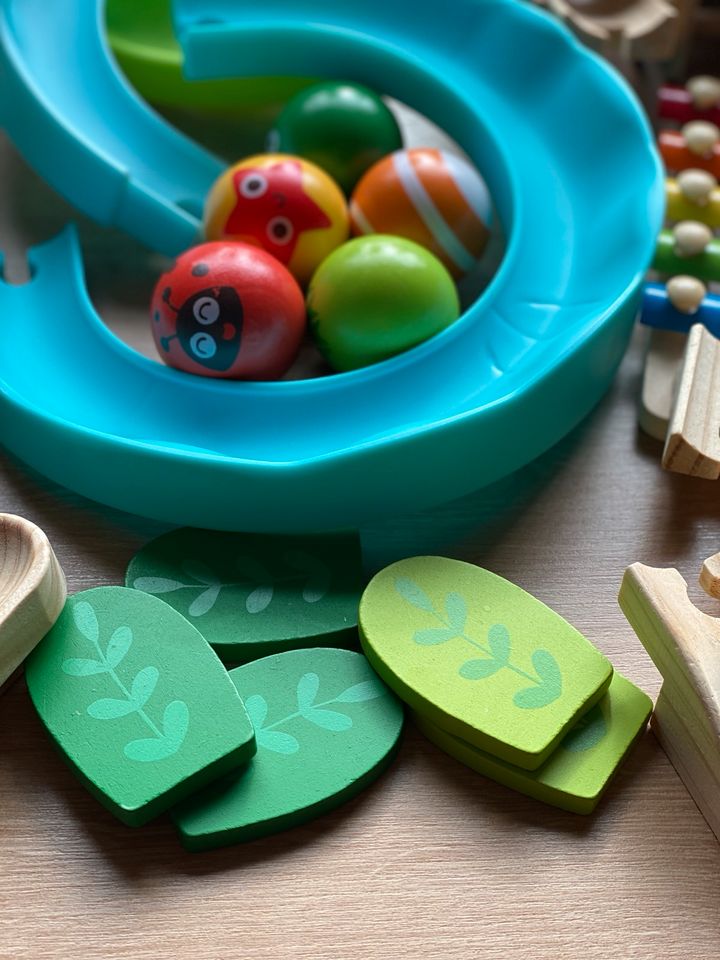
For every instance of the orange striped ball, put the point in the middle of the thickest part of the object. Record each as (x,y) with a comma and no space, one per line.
(432,197)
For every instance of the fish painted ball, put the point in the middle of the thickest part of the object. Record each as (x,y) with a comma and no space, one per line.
(432,197)
(377,296)
(228,310)
(342,127)
(283,204)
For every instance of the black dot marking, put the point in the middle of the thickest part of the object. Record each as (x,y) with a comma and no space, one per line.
(280,230)
(166,294)
(156,318)
(200,270)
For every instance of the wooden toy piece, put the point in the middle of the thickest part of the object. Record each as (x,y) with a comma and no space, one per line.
(693,195)
(377,296)
(326,727)
(684,644)
(663,361)
(251,595)
(342,127)
(699,99)
(282,203)
(137,702)
(679,304)
(693,440)
(479,657)
(32,590)
(577,774)
(431,197)
(696,146)
(710,576)
(689,248)
(228,310)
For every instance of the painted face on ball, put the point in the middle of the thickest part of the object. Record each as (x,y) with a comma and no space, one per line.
(208,326)
(272,209)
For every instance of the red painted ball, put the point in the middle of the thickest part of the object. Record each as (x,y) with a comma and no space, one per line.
(229,310)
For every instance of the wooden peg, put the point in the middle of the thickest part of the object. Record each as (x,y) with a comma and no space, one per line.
(693,441)
(32,590)
(684,644)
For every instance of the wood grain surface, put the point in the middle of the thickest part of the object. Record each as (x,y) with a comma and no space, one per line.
(433,860)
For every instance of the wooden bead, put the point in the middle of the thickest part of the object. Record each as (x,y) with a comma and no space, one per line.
(696,185)
(701,137)
(704,91)
(686,293)
(691,237)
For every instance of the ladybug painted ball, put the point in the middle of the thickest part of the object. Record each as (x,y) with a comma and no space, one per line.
(228,310)
(342,127)
(283,204)
(432,197)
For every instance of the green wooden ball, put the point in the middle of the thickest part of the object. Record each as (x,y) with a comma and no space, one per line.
(377,296)
(342,127)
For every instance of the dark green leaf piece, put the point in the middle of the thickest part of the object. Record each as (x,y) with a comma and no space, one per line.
(252,595)
(326,726)
(137,702)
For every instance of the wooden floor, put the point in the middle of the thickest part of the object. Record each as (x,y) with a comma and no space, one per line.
(433,861)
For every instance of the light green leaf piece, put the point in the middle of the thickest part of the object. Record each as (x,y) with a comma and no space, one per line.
(479,669)
(433,635)
(155,584)
(360,692)
(307,689)
(86,620)
(306,762)
(110,708)
(205,602)
(146,689)
(413,594)
(257,710)
(254,594)
(456,611)
(259,600)
(143,686)
(587,732)
(499,643)
(479,657)
(118,647)
(201,572)
(575,776)
(76,667)
(277,741)
(329,719)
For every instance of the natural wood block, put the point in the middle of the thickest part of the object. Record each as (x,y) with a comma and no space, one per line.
(693,439)
(479,657)
(252,595)
(326,726)
(684,644)
(663,362)
(137,702)
(32,590)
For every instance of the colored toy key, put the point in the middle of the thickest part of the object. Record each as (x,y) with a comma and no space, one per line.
(689,248)
(699,99)
(342,127)
(137,702)
(679,304)
(579,770)
(432,197)
(252,595)
(696,146)
(228,310)
(378,296)
(693,195)
(282,203)
(326,727)
(479,657)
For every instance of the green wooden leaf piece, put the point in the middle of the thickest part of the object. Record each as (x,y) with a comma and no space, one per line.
(252,595)
(479,669)
(512,681)
(307,762)
(575,776)
(137,702)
